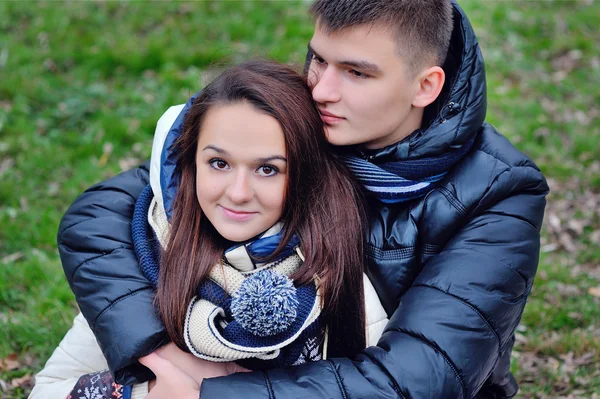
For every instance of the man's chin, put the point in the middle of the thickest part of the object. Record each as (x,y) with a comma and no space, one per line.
(340,138)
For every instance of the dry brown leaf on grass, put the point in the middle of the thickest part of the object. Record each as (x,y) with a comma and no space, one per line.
(571,211)
(5,165)
(521,339)
(107,150)
(3,385)
(129,163)
(576,226)
(591,270)
(553,221)
(594,291)
(24,382)
(571,363)
(53,189)
(568,289)
(595,237)
(24,204)
(566,241)
(12,257)
(10,362)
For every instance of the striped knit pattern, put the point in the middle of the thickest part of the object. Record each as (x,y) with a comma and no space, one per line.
(400,181)
(212,333)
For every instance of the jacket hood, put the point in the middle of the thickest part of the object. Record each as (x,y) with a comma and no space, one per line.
(162,178)
(451,121)
(456,116)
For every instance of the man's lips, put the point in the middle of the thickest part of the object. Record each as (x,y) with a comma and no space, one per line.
(237,215)
(329,118)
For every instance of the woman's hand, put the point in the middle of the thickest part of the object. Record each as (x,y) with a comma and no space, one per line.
(197,368)
(171,381)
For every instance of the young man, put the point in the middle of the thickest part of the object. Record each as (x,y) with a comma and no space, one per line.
(455,213)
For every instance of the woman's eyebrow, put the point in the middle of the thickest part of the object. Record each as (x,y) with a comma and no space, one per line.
(258,160)
(272,158)
(215,148)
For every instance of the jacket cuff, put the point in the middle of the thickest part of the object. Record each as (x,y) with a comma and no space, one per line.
(124,345)
(249,385)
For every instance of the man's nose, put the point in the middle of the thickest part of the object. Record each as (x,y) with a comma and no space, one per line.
(240,189)
(325,88)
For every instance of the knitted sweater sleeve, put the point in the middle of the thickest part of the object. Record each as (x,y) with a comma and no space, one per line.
(77,354)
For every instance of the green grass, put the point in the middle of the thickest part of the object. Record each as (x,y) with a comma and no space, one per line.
(82,85)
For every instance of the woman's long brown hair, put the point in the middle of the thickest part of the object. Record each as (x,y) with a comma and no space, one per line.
(322,206)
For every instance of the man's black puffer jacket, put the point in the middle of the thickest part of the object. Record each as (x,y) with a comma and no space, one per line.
(453,269)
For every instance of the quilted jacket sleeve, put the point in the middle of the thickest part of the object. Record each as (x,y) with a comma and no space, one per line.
(96,250)
(452,325)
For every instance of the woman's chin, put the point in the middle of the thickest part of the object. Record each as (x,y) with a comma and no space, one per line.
(236,234)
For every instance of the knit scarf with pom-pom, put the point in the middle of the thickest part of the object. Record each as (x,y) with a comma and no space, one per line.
(245,311)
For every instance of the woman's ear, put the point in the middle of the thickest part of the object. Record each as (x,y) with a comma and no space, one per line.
(430,82)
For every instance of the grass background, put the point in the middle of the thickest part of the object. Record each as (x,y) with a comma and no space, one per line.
(82,85)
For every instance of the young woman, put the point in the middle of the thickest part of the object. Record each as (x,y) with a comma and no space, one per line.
(257,230)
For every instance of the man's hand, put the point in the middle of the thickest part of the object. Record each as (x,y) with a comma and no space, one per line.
(171,382)
(197,368)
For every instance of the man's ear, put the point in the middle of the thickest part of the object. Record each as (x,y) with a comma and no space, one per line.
(430,82)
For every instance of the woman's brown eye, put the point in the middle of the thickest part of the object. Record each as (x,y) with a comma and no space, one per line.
(267,171)
(218,164)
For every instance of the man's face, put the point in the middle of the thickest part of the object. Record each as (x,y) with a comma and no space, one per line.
(362,87)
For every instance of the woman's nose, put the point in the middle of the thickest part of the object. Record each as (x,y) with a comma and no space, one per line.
(240,189)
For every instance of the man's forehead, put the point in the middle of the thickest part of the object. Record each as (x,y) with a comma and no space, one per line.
(362,44)
(359,62)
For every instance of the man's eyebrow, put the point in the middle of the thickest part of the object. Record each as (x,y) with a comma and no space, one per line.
(363,66)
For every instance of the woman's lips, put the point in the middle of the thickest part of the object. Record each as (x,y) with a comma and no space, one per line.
(329,118)
(237,215)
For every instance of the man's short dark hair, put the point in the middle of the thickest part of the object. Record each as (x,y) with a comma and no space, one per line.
(422,28)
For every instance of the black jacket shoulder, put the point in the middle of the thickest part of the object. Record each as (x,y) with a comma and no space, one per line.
(94,242)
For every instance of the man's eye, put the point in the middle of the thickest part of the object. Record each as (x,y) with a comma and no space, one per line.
(218,164)
(318,60)
(358,74)
(267,171)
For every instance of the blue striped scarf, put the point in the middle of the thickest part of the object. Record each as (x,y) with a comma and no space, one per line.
(394,182)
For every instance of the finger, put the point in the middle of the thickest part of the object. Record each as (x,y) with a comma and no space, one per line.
(154,362)
(233,368)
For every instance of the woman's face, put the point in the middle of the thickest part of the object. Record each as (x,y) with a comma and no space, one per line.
(241,170)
